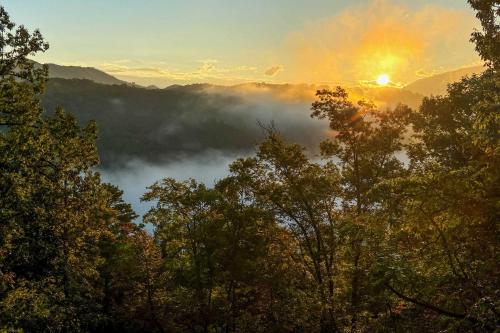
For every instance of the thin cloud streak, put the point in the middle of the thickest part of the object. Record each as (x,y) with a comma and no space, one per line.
(208,71)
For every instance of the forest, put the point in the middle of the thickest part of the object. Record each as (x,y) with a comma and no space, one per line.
(393,229)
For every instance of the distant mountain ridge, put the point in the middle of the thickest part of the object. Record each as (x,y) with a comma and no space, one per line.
(158,125)
(437,84)
(432,85)
(84,73)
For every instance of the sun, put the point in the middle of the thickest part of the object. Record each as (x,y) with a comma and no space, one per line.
(383,80)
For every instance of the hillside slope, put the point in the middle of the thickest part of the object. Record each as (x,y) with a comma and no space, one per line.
(87,73)
(437,84)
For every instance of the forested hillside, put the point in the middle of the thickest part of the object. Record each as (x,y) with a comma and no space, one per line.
(183,121)
(83,73)
(360,240)
(162,125)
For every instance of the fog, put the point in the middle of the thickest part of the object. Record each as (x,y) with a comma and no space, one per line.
(134,177)
(162,126)
(194,131)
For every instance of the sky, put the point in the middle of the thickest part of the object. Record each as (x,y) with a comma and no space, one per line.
(166,42)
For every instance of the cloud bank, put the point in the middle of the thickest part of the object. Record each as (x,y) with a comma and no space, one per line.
(207,71)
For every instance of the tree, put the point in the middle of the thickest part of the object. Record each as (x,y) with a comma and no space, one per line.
(442,250)
(364,146)
(54,210)
(302,195)
(446,209)
(224,260)
(488,41)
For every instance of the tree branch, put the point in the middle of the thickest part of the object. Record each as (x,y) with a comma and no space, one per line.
(436,309)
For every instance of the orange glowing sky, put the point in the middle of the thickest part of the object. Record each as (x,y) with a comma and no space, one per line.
(237,41)
(382,37)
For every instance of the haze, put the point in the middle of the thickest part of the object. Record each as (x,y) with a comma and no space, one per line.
(228,42)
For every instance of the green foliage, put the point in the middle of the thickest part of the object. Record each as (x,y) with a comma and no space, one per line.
(54,211)
(16,44)
(488,41)
(223,258)
(446,210)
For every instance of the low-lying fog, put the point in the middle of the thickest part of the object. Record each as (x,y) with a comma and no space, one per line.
(136,176)
(192,131)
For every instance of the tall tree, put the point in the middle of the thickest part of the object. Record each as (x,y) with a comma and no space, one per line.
(302,195)
(442,252)
(54,211)
(364,146)
(225,259)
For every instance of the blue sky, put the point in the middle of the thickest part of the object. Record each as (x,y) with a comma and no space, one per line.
(222,41)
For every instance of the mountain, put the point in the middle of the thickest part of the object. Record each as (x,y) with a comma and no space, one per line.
(160,125)
(157,125)
(87,73)
(437,84)
(306,93)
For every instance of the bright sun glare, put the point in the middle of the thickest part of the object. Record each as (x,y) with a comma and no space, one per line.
(383,79)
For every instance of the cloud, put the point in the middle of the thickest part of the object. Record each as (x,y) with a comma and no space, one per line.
(352,46)
(207,71)
(272,71)
(421,73)
(381,36)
